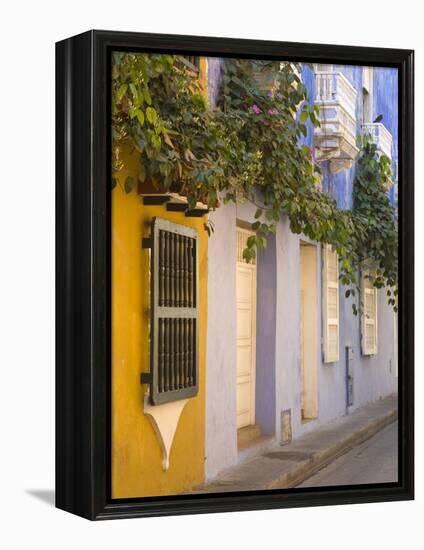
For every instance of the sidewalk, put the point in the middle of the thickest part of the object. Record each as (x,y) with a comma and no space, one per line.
(289,465)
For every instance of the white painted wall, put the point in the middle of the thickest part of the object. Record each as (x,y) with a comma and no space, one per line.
(221,431)
(221,443)
(287,357)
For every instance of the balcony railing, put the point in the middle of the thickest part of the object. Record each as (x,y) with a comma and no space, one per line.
(335,139)
(331,86)
(380,135)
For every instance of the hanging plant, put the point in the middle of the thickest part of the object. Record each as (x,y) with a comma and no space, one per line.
(159,108)
(249,149)
(376,246)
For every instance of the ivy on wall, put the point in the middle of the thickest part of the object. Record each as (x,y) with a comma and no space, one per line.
(376,244)
(248,149)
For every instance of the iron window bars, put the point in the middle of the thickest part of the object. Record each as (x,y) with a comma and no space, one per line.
(174,322)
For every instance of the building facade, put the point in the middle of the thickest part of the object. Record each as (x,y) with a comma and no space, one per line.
(285,353)
(276,350)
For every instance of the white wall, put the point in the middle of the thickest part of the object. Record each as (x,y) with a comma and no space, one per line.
(29,30)
(221,442)
(288,383)
(221,431)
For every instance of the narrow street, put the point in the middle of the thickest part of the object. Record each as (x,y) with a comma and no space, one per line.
(374,461)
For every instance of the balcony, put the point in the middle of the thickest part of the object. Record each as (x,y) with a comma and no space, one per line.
(335,139)
(380,135)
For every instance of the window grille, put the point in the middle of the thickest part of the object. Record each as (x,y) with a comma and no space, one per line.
(173,312)
(192,62)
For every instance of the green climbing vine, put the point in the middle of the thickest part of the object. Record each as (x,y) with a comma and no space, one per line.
(159,108)
(248,148)
(376,244)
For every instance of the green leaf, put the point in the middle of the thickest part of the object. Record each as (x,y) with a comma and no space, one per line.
(140,116)
(251,241)
(198,100)
(303,117)
(129,184)
(151,115)
(141,172)
(156,141)
(306,151)
(303,129)
(147,96)
(122,90)
(133,90)
(133,112)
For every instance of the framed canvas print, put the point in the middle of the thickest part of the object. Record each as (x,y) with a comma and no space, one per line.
(234,274)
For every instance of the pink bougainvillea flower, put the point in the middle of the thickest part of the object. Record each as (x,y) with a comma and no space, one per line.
(269,93)
(265,122)
(255,109)
(273,111)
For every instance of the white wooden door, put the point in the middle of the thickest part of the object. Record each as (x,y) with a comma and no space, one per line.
(246,334)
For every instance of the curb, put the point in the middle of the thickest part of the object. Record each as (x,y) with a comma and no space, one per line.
(320,459)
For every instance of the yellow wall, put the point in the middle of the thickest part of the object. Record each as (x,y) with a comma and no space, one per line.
(136,455)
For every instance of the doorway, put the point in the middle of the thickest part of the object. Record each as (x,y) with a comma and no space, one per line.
(246,333)
(308,331)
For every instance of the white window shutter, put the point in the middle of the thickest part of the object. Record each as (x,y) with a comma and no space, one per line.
(331,311)
(369,317)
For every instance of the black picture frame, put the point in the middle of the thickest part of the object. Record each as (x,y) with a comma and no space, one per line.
(83,275)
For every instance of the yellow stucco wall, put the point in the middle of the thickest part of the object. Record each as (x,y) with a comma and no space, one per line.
(136,454)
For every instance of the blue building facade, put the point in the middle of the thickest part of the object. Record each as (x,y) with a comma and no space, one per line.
(383,101)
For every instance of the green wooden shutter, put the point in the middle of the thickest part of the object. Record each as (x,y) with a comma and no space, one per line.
(174,312)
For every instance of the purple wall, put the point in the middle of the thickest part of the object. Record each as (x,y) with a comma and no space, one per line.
(265,337)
